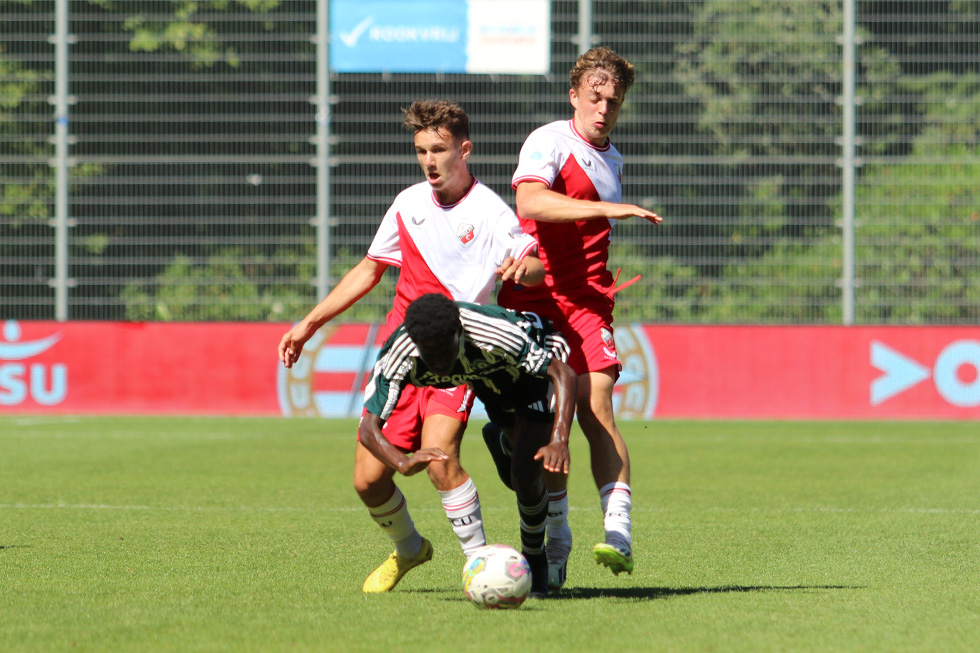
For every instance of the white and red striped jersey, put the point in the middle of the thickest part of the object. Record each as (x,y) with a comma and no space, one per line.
(453,250)
(574,254)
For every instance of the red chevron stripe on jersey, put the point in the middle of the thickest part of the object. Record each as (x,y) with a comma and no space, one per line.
(416,278)
(577,252)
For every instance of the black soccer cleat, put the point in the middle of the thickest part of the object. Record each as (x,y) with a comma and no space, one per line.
(538,562)
(494,437)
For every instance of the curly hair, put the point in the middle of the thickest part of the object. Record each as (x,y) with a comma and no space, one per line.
(437,114)
(432,318)
(606,65)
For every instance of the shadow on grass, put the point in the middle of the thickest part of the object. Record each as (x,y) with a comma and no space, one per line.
(14,546)
(652,593)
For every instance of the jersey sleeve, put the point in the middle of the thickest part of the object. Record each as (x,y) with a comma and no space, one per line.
(387,379)
(538,161)
(539,349)
(386,246)
(381,395)
(509,240)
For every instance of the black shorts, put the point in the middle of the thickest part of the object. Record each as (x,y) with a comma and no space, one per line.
(530,397)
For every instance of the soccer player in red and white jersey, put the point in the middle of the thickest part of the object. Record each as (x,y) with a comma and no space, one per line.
(452,235)
(569,196)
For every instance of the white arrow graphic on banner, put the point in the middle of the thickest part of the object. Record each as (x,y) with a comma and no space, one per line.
(899,373)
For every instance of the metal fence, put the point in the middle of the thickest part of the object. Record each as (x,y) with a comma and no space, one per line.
(815,162)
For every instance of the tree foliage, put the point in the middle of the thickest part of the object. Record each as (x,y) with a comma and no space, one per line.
(753,131)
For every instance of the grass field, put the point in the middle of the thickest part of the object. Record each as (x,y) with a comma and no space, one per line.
(145,534)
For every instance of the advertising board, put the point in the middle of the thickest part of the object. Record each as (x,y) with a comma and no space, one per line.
(715,372)
(440,36)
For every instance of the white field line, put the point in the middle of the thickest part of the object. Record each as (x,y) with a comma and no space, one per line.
(274,509)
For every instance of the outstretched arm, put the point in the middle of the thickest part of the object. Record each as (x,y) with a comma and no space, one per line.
(358,282)
(535,201)
(554,455)
(375,442)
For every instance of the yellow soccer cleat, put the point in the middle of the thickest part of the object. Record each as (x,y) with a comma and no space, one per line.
(618,560)
(385,577)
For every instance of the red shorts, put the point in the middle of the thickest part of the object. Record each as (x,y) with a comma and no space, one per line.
(586,324)
(404,428)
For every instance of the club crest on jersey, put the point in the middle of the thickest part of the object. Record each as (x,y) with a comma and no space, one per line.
(465,233)
(607,338)
(619,173)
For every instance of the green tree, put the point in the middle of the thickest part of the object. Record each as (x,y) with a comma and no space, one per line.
(667,292)
(228,286)
(917,251)
(918,219)
(767,77)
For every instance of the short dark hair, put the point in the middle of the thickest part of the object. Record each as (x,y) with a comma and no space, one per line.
(432,318)
(437,114)
(606,65)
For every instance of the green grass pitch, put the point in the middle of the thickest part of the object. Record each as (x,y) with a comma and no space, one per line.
(175,534)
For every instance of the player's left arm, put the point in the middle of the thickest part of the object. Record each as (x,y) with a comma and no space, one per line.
(373,438)
(554,456)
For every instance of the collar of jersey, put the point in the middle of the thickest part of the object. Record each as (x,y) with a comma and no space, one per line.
(571,124)
(473,183)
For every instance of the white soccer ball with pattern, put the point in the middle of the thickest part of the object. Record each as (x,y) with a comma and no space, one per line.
(497,576)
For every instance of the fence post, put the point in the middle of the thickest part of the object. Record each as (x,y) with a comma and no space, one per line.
(848,161)
(323,149)
(60,163)
(584,26)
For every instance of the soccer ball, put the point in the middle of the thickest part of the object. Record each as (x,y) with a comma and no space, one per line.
(497,576)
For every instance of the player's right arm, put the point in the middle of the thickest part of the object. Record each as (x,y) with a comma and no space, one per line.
(358,282)
(374,440)
(535,201)
(554,456)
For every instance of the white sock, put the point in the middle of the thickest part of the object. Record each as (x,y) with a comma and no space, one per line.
(462,506)
(393,518)
(559,533)
(616,500)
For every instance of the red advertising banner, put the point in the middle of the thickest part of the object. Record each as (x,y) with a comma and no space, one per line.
(138,368)
(800,372)
(669,371)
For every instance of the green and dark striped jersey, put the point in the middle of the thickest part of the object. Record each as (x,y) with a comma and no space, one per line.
(500,348)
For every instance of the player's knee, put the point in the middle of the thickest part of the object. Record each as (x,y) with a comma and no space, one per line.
(446,475)
(372,484)
(595,414)
(528,487)
(527,476)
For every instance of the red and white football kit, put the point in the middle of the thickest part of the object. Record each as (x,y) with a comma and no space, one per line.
(452,250)
(577,293)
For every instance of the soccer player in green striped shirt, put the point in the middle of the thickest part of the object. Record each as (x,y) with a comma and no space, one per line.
(515,365)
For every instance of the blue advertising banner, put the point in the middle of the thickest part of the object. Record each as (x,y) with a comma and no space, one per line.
(440,36)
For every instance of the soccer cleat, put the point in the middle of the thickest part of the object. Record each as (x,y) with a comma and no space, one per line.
(558,549)
(616,558)
(494,437)
(385,577)
(538,563)
(556,573)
